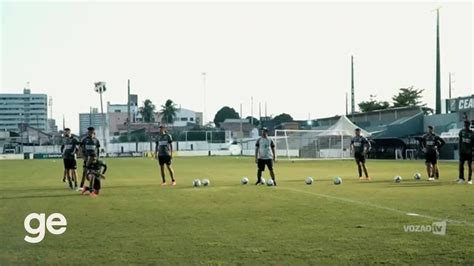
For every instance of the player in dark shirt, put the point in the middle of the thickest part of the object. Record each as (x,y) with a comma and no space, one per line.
(360,146)
(68,150)
(164,153)
(466,148)
(95,172)
(90,146)
(431,144)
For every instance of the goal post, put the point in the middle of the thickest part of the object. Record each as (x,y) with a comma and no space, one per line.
(311,144)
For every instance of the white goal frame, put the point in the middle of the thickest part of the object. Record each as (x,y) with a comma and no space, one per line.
(283,135)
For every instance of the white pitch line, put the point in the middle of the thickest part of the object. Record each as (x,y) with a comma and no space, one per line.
(379,207)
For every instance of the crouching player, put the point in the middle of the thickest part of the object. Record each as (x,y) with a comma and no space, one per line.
(95,172)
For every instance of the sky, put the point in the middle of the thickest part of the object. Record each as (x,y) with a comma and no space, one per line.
(293,56)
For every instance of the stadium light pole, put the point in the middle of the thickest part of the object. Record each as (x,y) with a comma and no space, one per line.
(100,88)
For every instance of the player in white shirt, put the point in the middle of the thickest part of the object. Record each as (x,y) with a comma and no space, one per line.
(265,156)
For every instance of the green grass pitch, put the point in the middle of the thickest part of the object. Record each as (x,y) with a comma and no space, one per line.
(136,221)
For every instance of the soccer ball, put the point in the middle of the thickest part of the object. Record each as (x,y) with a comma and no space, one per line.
(262,181)
(197,183)
(417,176)
(206,182)
(397,179)
(244,181)
(309,180)
(337,180)
(270,182)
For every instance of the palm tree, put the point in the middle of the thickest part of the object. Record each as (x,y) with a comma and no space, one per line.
(168,112)
(147,111)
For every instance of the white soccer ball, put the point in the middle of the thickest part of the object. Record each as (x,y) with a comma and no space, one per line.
(244,181)
(337,180)
(309,180)
(206,182)
(397,179)
(270,182)
(417,176)
(197,183)
(262,181)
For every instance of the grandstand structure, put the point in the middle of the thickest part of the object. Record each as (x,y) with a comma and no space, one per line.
(395,132)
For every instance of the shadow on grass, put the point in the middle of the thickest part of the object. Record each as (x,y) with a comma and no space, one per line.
(418,184)
(40,196)
(302,180)
(29,189)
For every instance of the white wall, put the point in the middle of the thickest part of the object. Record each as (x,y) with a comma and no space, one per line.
(132,147)
(11,157)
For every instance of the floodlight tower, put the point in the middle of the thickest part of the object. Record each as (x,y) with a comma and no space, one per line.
(100,88)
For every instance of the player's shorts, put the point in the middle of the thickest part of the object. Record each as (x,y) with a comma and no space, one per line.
(261,163)
(86,159)
(431,157)
(93,173)
(70,164)
(359,157)
(164,159)
(463,157)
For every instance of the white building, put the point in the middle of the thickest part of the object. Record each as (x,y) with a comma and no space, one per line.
(30,109)
(91,119)
(185,116)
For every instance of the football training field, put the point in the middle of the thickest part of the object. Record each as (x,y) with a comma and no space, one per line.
(136,221)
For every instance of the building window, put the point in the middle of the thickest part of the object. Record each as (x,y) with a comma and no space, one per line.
(184,119)
(191,119)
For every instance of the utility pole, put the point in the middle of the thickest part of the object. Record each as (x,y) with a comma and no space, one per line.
(90,118)
(37,124)
(204,118)
(241,132)
(438,66)
(251,110)
(347,107)
(241,129)
(128,112)
(352,86)
(50,109)
(449,85)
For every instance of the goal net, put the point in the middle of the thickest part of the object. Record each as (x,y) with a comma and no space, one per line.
(312,144)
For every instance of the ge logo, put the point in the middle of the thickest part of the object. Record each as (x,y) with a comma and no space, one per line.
(54,220)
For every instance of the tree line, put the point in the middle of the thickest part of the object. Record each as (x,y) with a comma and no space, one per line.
(409,96)
(405,97)
(169,110)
